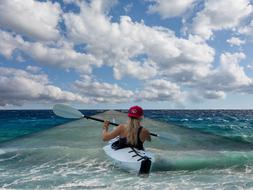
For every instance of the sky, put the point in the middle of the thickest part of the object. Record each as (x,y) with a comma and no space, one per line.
(112,54)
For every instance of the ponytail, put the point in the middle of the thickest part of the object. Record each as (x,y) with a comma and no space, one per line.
(132,135)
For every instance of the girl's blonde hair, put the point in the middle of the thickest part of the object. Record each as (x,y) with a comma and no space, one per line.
(132,135)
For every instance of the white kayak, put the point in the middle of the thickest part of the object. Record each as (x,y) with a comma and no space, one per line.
(130,159)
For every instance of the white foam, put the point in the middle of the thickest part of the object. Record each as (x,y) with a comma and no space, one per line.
(2,151)
(10,158)
(87,184)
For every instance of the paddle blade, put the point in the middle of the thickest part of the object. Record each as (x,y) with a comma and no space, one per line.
(67,111)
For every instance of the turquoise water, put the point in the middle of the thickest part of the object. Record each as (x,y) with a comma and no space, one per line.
(16,123)
(211,150)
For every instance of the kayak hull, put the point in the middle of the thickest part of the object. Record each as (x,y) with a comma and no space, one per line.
(130,159)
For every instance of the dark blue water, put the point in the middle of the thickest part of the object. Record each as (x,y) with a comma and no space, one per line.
(16,123)
(236,124)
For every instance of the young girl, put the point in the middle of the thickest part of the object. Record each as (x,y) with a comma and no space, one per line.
(131,134)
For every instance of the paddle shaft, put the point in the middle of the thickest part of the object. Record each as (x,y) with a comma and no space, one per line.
(115,124)
(100,120)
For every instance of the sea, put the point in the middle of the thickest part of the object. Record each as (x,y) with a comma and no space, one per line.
(203,149)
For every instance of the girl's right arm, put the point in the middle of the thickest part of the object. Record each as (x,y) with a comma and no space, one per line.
(106,135)
(145,136)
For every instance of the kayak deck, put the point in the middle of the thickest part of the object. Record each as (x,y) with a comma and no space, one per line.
(130,159)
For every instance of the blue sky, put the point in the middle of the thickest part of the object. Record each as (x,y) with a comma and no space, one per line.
(110,54)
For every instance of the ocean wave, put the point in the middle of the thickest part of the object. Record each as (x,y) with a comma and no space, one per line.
(196,160)
(91,184)
(2,151)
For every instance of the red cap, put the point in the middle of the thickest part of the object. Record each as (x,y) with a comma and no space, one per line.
(135,111)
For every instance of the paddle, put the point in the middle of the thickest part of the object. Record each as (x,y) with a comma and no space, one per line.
(69,112)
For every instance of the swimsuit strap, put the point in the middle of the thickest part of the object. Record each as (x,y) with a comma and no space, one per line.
(139,143)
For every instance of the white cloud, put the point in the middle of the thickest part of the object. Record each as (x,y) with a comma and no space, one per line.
(102,6)
(140,70)
(69,1)
(60,55)
(63,56)
(250,66)
(235,41)
(89,25)
(192,64)
(214,94)
(218,15)
(33,19)
(18,87)
(231,69)
(202,93)
(247,30)
(8,43)
(170,67)
(33,69)
(154,90)
(229,76)
(170,8)
(119,45)
(128,7)
(102,92)
(160,90)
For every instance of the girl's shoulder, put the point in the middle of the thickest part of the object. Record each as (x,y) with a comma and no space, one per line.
(122,126)
(145,130)
(146,133)
(123,129)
